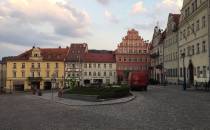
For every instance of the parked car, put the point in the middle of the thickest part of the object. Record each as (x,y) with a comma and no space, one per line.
(138,80)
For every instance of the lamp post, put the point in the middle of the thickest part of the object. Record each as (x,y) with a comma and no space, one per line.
(184,85)
(53,81)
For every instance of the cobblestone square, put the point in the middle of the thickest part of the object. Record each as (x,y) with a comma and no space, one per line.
(161,108)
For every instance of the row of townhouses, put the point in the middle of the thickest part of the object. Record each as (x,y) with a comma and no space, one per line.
(182,49)
(37,67)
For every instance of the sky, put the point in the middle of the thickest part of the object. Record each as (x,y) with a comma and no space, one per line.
(100,23)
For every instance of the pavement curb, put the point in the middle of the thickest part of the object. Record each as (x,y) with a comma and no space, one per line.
(86,103)
(131,98)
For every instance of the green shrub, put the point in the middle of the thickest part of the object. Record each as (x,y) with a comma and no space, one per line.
(103,93)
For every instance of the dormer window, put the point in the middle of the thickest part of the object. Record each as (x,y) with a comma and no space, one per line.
(35,55)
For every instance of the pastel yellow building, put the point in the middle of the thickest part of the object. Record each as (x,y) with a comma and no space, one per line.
(35,69)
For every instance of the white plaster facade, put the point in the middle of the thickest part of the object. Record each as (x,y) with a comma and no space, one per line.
(193,41)
(99,72)
(171,59)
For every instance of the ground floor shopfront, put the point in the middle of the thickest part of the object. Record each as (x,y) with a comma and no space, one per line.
(31,83)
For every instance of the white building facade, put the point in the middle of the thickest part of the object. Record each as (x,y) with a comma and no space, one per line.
(193,41)
(171,57)
(99,67)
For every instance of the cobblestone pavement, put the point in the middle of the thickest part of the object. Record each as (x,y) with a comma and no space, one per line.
(161,108)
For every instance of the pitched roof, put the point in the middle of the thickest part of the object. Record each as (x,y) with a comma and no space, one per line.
(100,57)
(54,54)
(48,54)
(76,52)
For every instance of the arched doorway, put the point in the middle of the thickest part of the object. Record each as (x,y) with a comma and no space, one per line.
(191,73)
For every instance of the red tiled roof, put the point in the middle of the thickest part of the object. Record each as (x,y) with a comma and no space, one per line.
(49,54)
(76,52)
(54,54)
(102,57)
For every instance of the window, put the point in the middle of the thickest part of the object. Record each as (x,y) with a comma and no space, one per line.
(85,65)
(204,71)
(23,74)
(14,66)
(180,72)
(184,34)
(56,65)
(56,74)
(99,74)
(90,65)
(204,46)
(38,65)
(188,51)
(198,25)
(99,65)
(104,65)
(108,81)
(198,72)
(73,66)
(125,60)
(48,65)
(110,66)
(23,65)
(39,75)
(85,73)
(90,74)
(194,71)
(193,50)
(110,73)
(94,73)
(32,74)
(48,74)
(203,22)
(193,28)
(104,73)
(35,55)
(198,48)
(32,65)
(180,35)
(188,31)
(14,74)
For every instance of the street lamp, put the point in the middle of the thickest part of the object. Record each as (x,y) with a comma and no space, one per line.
(53,81)
(184,85)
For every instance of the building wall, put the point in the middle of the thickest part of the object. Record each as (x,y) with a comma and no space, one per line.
(194,44)
(132,54)
(1,74)
(157,60)
(104,71)
(43,70)
(171,56)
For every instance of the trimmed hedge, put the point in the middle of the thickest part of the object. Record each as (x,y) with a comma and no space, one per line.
(103,93)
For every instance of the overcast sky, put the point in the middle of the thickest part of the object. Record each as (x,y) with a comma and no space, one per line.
(100,23)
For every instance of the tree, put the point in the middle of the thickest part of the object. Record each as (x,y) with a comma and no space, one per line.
(71,82)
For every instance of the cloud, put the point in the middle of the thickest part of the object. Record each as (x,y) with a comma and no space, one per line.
(103,2)
(24,22)
(138,7)
(111,17)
